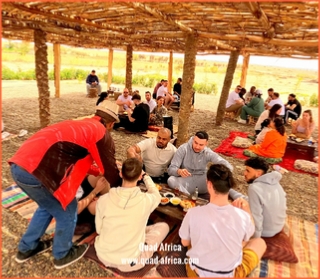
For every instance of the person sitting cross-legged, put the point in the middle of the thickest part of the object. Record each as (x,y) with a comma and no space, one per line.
(188,166)
(218,234)
(304,127)
(266,197)
(156,115)
(235,102)
(124,241)
(254,108)
(274,144)
(155,154)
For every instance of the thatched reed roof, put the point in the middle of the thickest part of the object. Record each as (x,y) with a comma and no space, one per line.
(288,29)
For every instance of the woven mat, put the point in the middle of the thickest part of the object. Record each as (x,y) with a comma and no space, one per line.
(304,239)
(153,134)
(227,149)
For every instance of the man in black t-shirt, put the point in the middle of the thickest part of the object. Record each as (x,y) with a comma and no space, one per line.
(177,87)
(293,108)
(139,117)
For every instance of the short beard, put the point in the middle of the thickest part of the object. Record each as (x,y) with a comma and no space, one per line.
(251,180)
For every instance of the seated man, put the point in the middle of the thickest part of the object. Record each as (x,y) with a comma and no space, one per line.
(267,198)
(188,166)
(215,232)
(124,101)
(93,81)
(123,240)
(155,154)
(292,108)
(164,92)
(269,98)
(139,117)
(234,102)
(276,100)
(149,101)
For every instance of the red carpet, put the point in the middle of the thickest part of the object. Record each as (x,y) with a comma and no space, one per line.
(227,149)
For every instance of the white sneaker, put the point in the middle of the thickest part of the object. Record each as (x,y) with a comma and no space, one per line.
(242,121)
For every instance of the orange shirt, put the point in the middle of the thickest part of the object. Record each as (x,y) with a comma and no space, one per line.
(273,145)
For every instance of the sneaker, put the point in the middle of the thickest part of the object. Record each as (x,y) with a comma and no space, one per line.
(41,248)
(242,121)
(74,254)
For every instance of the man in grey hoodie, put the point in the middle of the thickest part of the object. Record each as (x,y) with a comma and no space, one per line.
(189,164)
(266,196)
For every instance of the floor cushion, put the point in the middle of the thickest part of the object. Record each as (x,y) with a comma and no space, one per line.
(242,142)
(279,248)
(306,166)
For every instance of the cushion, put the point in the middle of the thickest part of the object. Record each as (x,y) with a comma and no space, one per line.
(173,269)
(279,248)
(306,166)
(154,128)
(242,142)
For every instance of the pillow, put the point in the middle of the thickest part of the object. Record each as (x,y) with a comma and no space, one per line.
(154,128)
(306,166)
(242,142)
(173,270)
(279,248)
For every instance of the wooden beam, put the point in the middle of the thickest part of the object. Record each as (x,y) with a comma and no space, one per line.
(189,67)
(245,65)
(110,60)
(232,64)
(129,68)
(258,13)
(57,67)
(170,63)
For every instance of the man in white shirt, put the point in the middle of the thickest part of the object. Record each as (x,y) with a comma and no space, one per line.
(149,101)
(276,100)
(218,233)
(270,96)
(234,102)
(163,91)
(155,154)
(124,241)
(124,101)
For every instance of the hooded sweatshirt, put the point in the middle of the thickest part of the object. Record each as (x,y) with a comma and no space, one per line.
(121,219)
(268,204)
(195,163)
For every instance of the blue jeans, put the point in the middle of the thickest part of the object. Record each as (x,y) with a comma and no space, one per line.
(49,207)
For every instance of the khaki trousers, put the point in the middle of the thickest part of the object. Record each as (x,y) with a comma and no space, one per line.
(236,108)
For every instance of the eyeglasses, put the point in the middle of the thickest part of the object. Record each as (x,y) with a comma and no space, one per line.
(239,88)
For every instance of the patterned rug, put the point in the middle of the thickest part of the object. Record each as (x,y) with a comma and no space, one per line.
(227,149)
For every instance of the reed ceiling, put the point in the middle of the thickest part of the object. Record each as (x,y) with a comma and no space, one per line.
(284,29)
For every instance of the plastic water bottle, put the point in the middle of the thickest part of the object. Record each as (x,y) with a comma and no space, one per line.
(195,195)
(310,142)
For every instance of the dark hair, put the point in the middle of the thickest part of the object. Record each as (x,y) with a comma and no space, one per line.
(265,123)
(270,89)
(180,79)
(162,80)
(102,96)
(159,97)
(93,71)
(276,94)
(221,178)
(202,135)
(131,169)
(273,110)
(279,125)
(136,97)
(257,163)
(147,92)
(292,95)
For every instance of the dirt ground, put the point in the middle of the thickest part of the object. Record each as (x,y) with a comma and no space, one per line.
(20,111)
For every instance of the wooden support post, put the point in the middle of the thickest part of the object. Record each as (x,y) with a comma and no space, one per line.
(110,60)
(232,64)
(41,60)
(57,67)
(170,72)
(129,68)
(245,65)
(189,67)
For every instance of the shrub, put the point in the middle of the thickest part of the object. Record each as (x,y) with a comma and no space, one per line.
(313,101)
(118,79)
(8,74)
(206,88)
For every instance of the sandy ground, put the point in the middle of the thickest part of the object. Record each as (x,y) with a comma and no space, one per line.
(20,111)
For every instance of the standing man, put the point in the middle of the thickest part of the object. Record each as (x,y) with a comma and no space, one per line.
(149,101)
(218,234)
(234,102)
(93,81)
(124,101)
(267,198)
(188,166)
(276,100)
(293,108)
(138,117)
(155,154)
(177,87)
(163,91)
(50,166)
